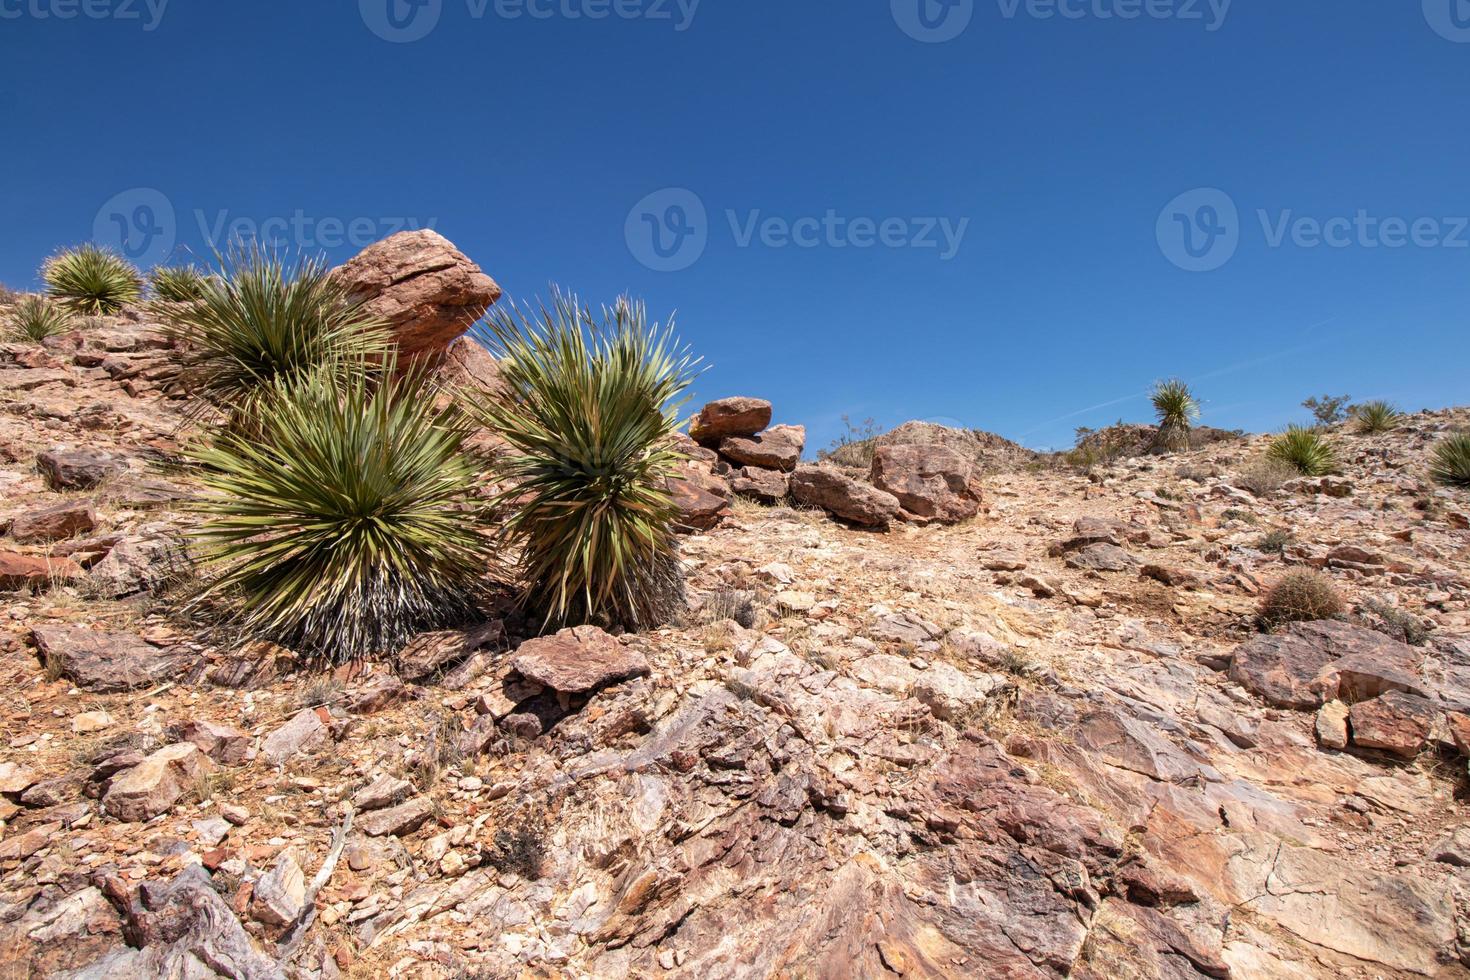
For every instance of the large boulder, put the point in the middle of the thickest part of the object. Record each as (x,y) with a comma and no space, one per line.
(932,482)
(767,486)
(427,290)
(777,448)
(578,660)
(106,663)
(844,497)
(1311,664)
(730,417)
(702,497)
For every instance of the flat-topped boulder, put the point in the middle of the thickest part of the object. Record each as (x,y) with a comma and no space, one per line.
(79,469)
(578,660)
(107,663)
(1310,664)
(777,448)
(730,417)
(844,497)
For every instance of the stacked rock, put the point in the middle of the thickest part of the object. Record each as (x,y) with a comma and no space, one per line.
(755,456)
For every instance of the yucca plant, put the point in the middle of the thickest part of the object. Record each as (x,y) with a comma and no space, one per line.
(588,407)
(91,280)
(1451,463)
(1306,449)
(1177,410)
(36,318)
(1371,418)
(262,320)
(177,283)
(344,523)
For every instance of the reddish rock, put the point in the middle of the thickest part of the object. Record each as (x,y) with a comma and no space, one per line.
(18,571)
(844,497)
(1102,558)
(154,785)
(1397,723)
(56,523)
(398,820)
(303,733)
(107,662)
(1175,578)
(702,497)
(930,481)
(433,653)
(222,743)
(777,448)
(1307,665)
(730,417)
(578,660)
(427,290)
(1332,726)
(767,486)
(78,469)
(468,364)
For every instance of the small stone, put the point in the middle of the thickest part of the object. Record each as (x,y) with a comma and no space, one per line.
(212,831)
(18,571)
(155,784)
(225,745)
(1398,723)
(381,792)
(280,893)
(15,778)
(303,733)
(236,815)
(106,663)
(1332,726)
(399,821)
(56,523)
(89,722)
(578,660)
(78,469)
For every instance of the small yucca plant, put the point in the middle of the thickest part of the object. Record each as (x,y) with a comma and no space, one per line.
(1177,410)
(1373,417)
(1451,462)
(177,283)
(344,523)
(36,318)
(589,409)
(1306,449)
(91,280)
(260,321)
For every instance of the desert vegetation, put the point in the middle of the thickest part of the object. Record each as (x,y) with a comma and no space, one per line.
(34,319)
(1450,463)
(1305,449)
(178,283)
(1372,418)
(588,407)
(1301,595)
(1177,410)
(92,280)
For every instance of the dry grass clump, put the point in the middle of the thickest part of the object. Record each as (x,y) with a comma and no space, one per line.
(1264,476)
(1300,596)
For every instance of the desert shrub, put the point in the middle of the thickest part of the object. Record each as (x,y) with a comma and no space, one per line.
(1450,464)
(178,283)
(1305,449)
(1275,542)
(91,280)
(1370,418)
(724,604)
(36,318)
(1177,410)
(1265,476)
(343,523)
(856,446)
(1395,622)
(1301,595)
(1329,409)
(261,321)
(588,408)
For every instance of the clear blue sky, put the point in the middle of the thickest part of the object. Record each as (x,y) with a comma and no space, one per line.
(1057,143)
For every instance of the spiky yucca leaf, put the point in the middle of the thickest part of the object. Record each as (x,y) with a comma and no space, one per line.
(91,280)
(344,523)
(261,320)
(35,318)
(1177,410)
(1451,465)
(589,410)
(1306,449)
(1374,417)
(177,283)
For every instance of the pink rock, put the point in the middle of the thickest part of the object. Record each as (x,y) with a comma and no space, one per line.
(154,785)
(578,660)
(730,417)
(931,482)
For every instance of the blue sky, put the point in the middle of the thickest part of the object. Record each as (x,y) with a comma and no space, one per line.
(983,212)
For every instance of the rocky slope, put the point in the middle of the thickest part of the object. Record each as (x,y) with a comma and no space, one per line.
(1045,741)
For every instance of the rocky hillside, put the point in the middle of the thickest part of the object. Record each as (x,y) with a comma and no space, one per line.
(919,722)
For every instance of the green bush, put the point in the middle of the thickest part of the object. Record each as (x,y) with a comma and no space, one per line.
(1451,462)
(92,281)
(588,408)
(1177,410)
(36,318)
(177,283)
(260,321)
(1301,595)
(1305,449)
(344,523)
(1373,417)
